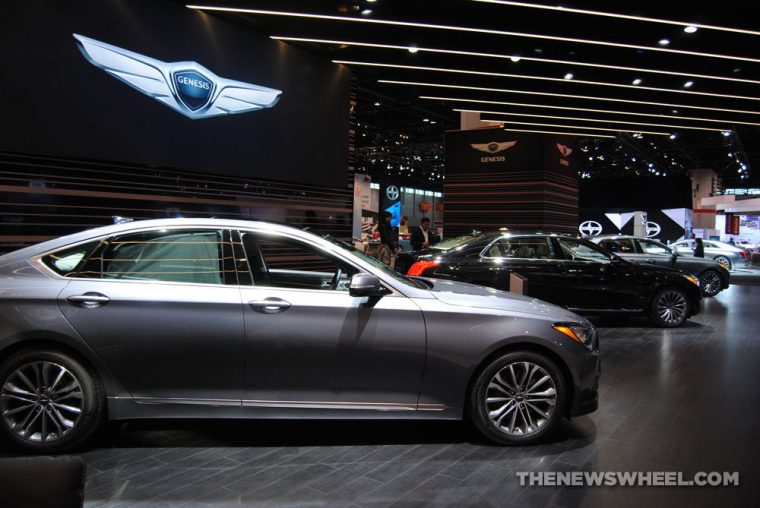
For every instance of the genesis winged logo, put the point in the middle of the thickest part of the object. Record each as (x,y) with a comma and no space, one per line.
(186,87)
(493,146)
(564,150)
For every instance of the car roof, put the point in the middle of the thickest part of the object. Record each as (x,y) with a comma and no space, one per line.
(123,227)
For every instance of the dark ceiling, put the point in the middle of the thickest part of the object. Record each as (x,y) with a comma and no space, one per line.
(401,126)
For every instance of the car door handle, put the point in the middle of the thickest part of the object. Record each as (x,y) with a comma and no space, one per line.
(269,305)
(88,300)
(650,261)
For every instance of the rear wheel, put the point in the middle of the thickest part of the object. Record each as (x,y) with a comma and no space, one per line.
(49,402)
(712,282)
(724,261)
(518,398)
(670,308)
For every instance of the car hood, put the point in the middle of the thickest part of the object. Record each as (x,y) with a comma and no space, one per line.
(463,294)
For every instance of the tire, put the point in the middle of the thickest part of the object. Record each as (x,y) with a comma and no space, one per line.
(670,307)
(724,261)
(529,422)
(712,282)
(49,402)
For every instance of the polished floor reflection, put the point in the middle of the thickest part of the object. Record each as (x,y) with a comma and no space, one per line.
(671,400)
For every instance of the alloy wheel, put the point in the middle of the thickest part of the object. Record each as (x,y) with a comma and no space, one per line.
(41,401)
(520,398)
(711,283)
(671,307)
(724,261)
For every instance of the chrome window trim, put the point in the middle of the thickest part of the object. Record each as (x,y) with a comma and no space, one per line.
(487,247)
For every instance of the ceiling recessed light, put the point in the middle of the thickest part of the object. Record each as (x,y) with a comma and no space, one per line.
(737,70)
(675,111)
(673,136)
(377,104)
(413,49)
(515,58)
(366,12)
(688,84)
(663,42)
(690,29)
(426,119)
(637,81)
(726,133)
(569,75)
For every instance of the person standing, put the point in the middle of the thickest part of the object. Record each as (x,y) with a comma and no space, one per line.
(388,240)
(422,237)
(699,248)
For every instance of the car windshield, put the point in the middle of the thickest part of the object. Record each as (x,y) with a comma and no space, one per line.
(454,242)
(409,281)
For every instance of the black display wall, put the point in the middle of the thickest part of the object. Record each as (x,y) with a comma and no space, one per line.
(496,178)
(56,102)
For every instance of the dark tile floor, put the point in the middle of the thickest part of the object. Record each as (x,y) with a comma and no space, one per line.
(671,400)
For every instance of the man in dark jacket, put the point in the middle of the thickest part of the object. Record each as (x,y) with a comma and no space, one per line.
(422,237)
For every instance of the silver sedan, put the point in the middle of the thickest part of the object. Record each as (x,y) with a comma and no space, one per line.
(725,254)
(212,318)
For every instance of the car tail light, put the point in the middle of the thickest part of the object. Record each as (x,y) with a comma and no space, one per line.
(419,267)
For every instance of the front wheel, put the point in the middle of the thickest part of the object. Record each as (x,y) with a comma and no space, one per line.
(724,261)
(49,402)
(712,282)
(670,308)
(518,398)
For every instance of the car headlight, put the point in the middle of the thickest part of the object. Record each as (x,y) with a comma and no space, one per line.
(582,333)
(692,279)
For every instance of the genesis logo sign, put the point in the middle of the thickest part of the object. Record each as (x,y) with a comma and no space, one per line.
(186,87)
(493,148)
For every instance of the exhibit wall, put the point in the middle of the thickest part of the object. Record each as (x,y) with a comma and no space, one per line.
(607,206)
(496,178)
(148,97)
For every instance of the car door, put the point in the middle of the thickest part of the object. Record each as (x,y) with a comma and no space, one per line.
(684,248)
(653,252)
(592,279)
(531,257)
(313,345)
(158,307)
(624,248)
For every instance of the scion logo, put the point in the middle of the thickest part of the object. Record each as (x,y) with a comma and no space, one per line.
(564,152)
(590,228)
(392,192)
(186,87)
(493,148)
(653,229)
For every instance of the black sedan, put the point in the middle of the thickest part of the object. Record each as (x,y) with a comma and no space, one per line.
(574,273)
(713,275)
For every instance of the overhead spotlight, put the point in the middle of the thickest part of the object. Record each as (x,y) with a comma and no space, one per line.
(690,29)
(367,12)
(673,136)
(377,104)
(569,75)
(413,49)
(432,122)
(515,58)
(637,81)
(371,1)
(426,119)
(737,70)
(675,111)
(663,42)
(726,133)
(688,84)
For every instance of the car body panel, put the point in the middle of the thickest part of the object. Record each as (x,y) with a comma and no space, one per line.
(713,250)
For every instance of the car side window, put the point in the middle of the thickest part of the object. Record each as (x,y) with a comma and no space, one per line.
(650,247)
(524,248)
(195,256)
(619,246)
(579,251)
(276,261)
(68,261)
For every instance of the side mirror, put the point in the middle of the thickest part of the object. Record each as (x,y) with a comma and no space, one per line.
(366,284)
